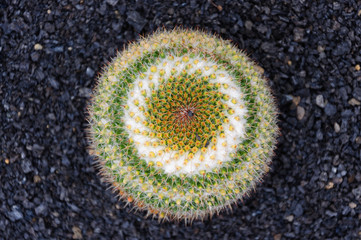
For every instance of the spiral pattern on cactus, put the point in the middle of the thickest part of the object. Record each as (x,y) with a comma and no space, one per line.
(183,124)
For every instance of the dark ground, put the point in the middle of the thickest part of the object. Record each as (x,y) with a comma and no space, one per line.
(310,51)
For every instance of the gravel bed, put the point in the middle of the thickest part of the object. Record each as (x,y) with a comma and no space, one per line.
(51,53)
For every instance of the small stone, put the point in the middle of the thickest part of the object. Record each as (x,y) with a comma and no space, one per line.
(53,83)
(296,100)
(290,218)
(358,140)
(337,127)
(41,209)
(357,67)
(7,161)
(354,102)
(330,109)
(329,185)
(65,161)
(338,180)
(262,29)
(77,233)
(89,72)
(136,20)
(320,101)
(357,94)
(268,47)
(85,92)
(298,210)
(112,2)
(26,166)
(35,56)
(38,47)
(331,213)
(277,236)
(15,214)
(320,48)
(58,49)
(170,11)
(49,27)
(298,34)
(36,179)
(300,112)
(341,49)
(357,192)
(248,25)
(352,205)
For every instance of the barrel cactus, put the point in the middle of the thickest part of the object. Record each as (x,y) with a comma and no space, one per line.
(182,124)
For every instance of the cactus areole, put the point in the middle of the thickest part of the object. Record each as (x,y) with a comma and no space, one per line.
(182,124)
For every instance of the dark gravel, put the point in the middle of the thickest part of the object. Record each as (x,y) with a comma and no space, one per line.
(51,53)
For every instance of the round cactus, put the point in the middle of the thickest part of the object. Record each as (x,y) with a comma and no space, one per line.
(182,124)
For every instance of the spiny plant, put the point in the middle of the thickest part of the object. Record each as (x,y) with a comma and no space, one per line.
(182,124)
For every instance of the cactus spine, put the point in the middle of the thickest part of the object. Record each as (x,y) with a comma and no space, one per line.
(182,124)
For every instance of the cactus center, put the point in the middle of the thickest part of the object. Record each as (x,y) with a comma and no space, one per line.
(186,112)
(185,120)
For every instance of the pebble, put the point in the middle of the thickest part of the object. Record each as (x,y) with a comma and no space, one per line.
(277,236)
(248,25)
(15,214)
(112,2)
(298,34)
(49,27)
(38,47)
(320,101)
(85,92)
(296,100)
(89,72)
(337,180)
(336,127)
(55,84)
(320,48)
(41,209)
(357,67)
(37,179)
(26,166)
(136,20)
(170,11)
(329,185)
(300,112)
(77,232)
(290,218)
(357,93)
(330,109)
(35,56)
(354,102)
(352,205)
(298,210)
(342,48)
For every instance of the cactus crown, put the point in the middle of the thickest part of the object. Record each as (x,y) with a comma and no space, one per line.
(182,124)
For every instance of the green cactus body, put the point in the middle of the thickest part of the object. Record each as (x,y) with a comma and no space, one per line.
(182,124)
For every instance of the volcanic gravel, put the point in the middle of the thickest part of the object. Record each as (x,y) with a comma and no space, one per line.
(51,53)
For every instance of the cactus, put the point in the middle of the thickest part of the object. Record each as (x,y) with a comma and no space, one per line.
(182,125)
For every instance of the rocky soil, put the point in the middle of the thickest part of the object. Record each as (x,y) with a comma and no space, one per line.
(51,53)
